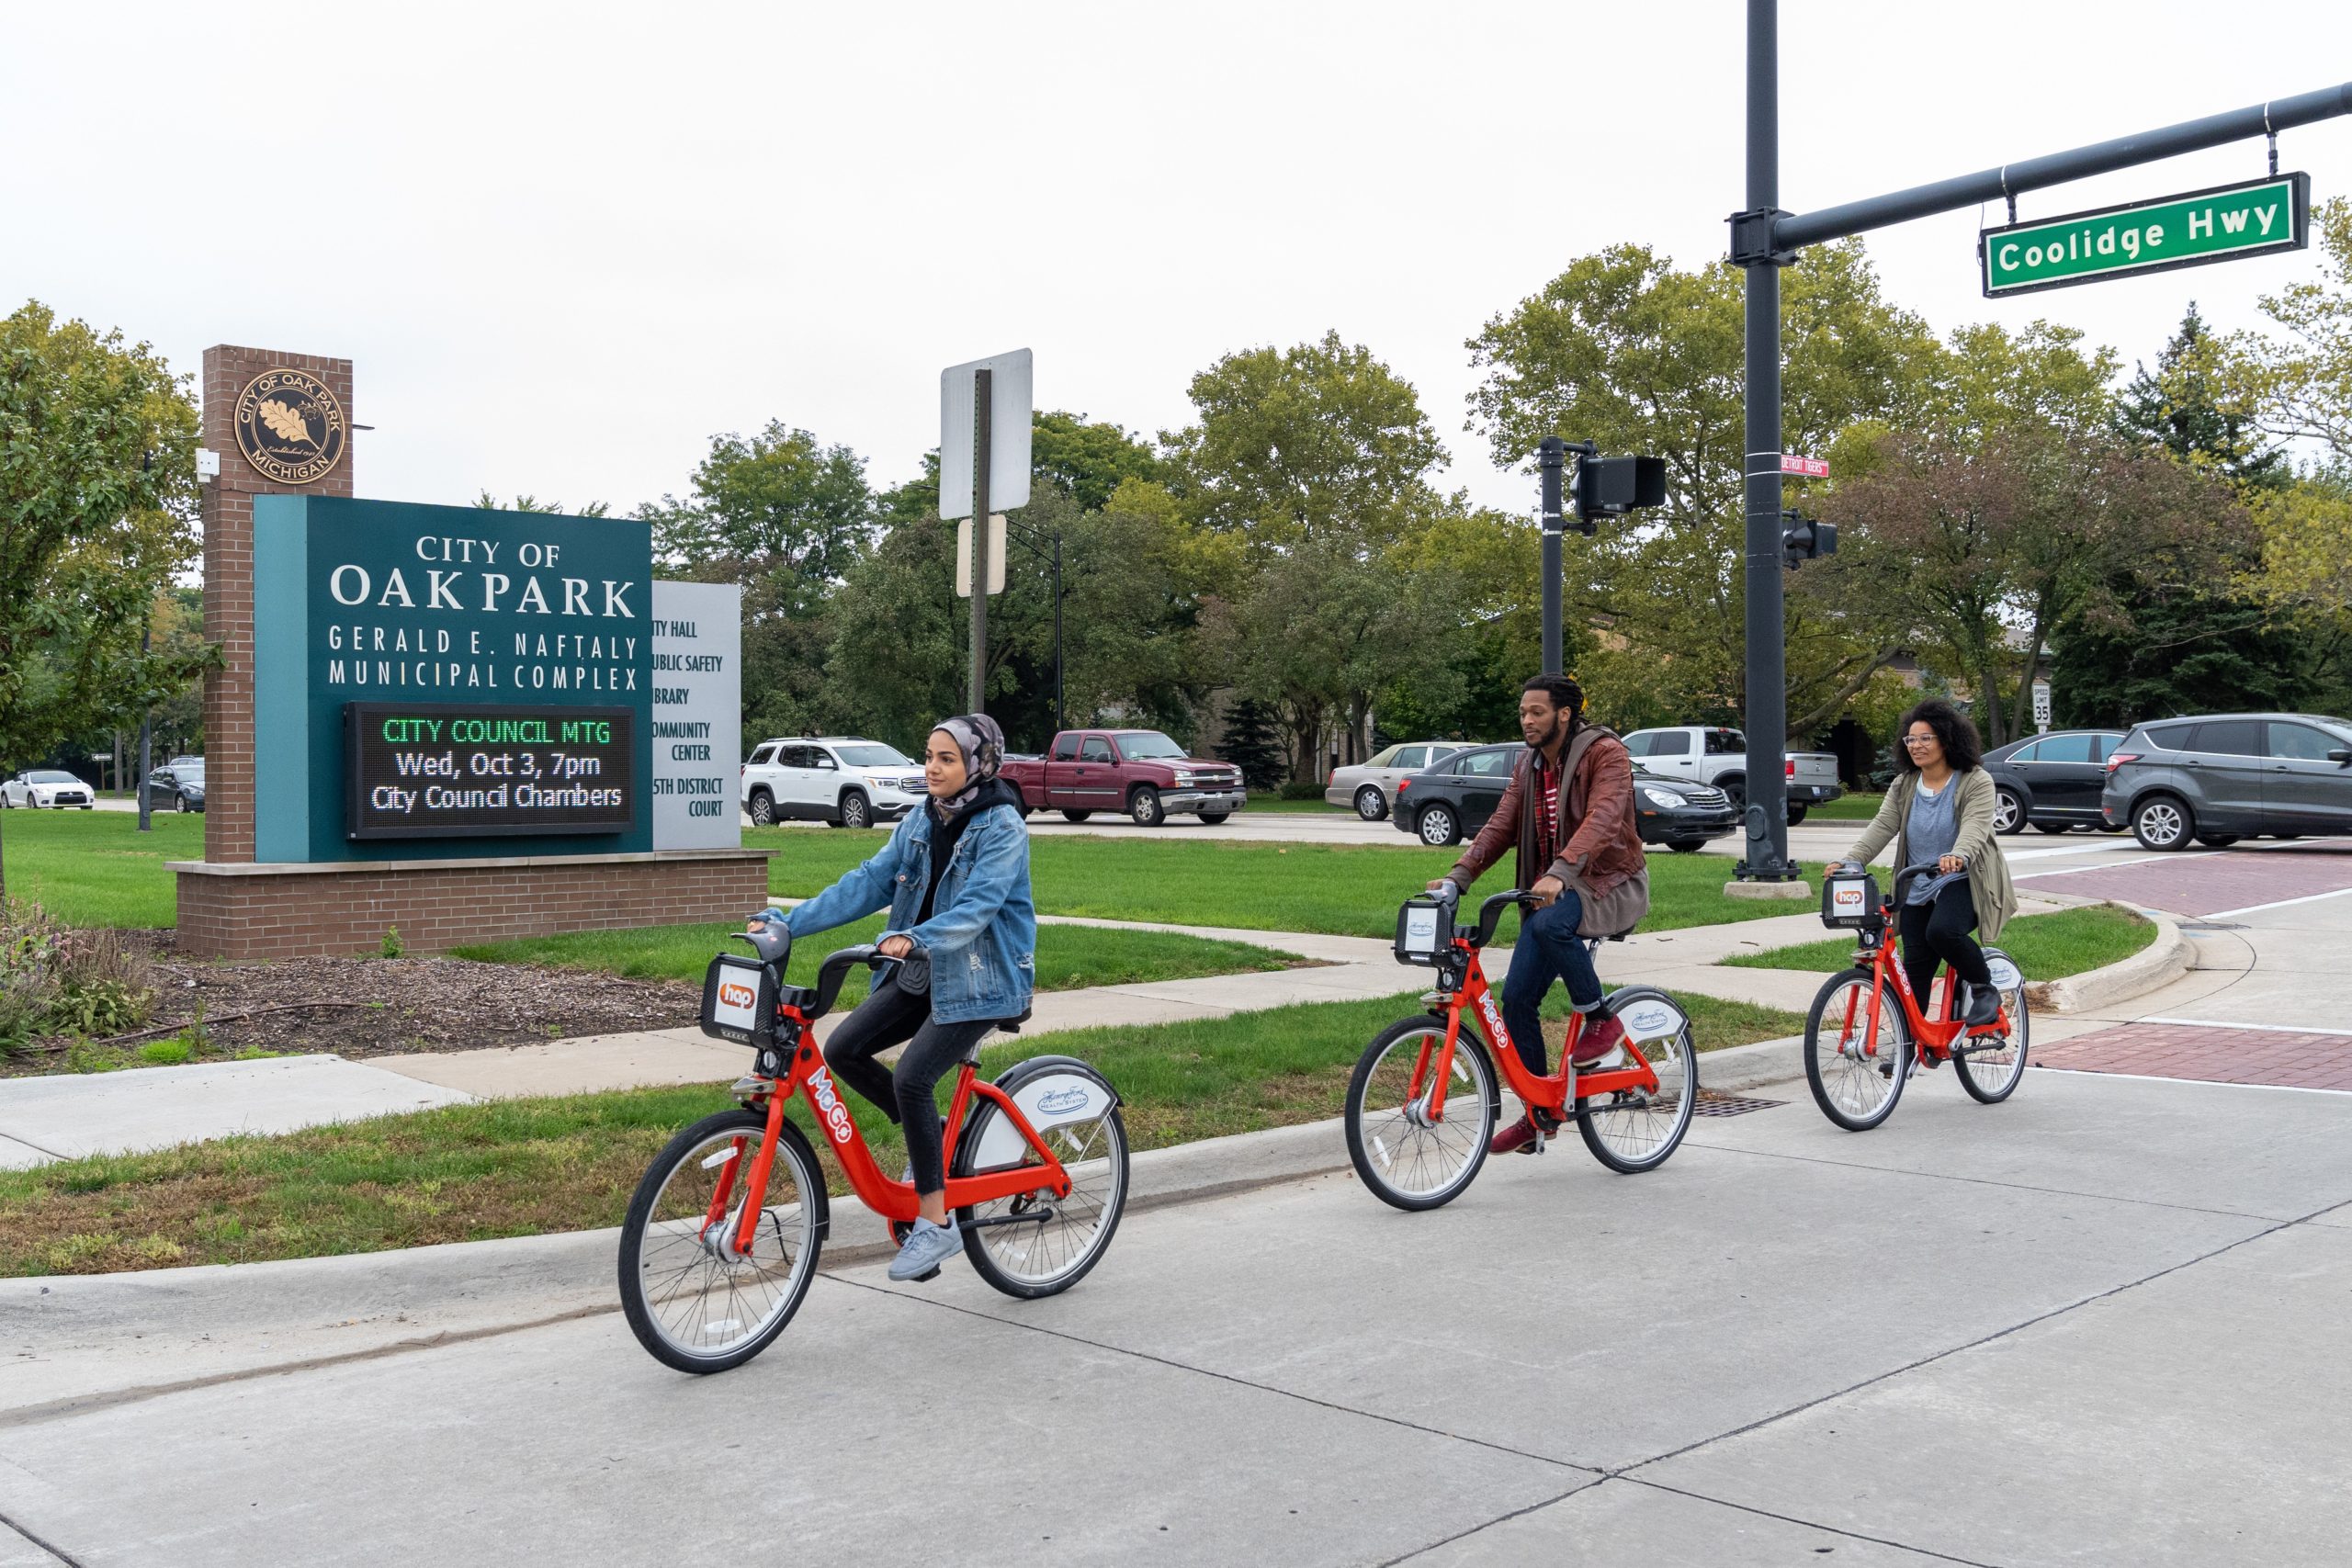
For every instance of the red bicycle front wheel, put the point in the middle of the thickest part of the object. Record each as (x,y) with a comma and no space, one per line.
(1856,1077)
(1406,1158)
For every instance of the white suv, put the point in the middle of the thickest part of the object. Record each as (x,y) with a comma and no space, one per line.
(844,780)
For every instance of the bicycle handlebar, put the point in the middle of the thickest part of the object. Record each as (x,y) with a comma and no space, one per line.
(835,970)
(1491,913)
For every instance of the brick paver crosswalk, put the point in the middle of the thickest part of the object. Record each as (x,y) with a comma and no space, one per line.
(2210,1054)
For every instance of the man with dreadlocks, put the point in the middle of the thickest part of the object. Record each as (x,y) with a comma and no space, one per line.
(1569,812)
(955,877)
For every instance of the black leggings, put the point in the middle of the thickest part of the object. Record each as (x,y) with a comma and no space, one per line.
(906,1092)
(1940,929)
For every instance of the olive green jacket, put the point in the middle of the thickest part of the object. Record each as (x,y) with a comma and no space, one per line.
(1989,888)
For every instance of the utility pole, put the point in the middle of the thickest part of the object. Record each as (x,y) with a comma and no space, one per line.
(1766,813)
(1763,240)
(983,394)
(146,732)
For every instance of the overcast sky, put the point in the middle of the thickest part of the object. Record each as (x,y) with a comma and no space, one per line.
(565,245)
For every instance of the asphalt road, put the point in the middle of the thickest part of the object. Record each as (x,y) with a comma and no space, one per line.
(2098,1324)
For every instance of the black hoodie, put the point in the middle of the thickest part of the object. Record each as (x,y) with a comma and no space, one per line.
(991,791)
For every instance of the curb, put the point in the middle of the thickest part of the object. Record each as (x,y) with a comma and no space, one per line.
(2159,964)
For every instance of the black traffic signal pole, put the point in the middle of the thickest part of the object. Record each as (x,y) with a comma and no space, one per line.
(1550,457)
(1764,240)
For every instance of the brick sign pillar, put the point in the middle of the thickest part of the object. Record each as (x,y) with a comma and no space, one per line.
(227,508)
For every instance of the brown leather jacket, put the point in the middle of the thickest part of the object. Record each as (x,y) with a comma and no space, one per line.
(1599,836)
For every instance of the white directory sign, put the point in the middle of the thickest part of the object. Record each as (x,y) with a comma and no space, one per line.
(697,714)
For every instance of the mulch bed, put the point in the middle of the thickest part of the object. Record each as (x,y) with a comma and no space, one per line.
(383,1006)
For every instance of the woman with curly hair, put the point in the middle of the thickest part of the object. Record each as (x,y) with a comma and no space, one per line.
(1939,814)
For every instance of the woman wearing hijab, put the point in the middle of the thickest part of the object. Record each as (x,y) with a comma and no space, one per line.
(956,879)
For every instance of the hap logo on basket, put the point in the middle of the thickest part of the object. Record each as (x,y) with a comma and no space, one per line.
(1846,897)
(290,427)
(735,994)
(1054,1101)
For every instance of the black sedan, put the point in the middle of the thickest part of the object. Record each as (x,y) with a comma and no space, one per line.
(2053,780)
(1439,805)
(179,787)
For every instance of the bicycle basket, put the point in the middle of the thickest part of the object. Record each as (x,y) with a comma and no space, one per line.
(1850,902)
(1421,936)
(739,1001)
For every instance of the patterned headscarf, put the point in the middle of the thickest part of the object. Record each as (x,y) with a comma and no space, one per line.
(982,743)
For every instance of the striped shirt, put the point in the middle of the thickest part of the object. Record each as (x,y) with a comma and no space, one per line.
(1547,826)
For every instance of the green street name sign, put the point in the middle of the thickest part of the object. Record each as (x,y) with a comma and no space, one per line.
(2221,224)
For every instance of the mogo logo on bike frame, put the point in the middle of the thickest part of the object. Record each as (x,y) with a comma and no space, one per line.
(837,1121)
(290,427)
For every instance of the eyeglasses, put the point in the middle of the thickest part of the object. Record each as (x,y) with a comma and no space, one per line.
(1917,740)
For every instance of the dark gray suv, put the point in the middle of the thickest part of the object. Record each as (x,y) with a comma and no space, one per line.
(2222,777)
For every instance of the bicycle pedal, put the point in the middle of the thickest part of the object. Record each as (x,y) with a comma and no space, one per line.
(924,1279)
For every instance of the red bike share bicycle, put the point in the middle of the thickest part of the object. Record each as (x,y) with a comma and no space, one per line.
(722,1237)
(1867,1031)
(1424,1100)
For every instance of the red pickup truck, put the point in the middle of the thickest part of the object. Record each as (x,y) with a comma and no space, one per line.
(1139,771)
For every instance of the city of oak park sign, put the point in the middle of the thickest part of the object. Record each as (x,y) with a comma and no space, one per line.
(439,681)
(2221,224)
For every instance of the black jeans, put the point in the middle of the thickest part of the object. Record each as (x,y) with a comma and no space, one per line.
(1940,929)
(906,1092)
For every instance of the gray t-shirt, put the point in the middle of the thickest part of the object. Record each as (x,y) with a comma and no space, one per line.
(1929,833)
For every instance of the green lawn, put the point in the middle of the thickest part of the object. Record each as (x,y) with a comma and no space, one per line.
(1847,807)
(94,868)
(2047,947)
(1347,890)
(521,1167)
(1068,957)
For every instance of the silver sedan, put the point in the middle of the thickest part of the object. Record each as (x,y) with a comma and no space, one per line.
(1370,785)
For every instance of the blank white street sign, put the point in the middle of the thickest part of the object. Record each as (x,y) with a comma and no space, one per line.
(964,555)
(1009,408)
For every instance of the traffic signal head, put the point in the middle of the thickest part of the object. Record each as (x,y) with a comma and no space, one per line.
(1805,539)
(1608,487)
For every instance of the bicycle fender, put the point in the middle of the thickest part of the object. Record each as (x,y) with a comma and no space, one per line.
(1051,1093)
(2006,975)
(1647,1012)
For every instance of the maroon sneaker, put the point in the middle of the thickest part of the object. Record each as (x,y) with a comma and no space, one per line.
(1519,1138)
(1596,1041)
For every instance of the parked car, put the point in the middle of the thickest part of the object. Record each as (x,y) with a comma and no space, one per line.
(1370,785)
(177,787)
(1139,771)
(2222,776)
(845,781)
(2051,781)
(1447,803)
(48,787)
(1710,754)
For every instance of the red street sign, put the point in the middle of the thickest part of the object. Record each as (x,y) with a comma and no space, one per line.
(1811,467)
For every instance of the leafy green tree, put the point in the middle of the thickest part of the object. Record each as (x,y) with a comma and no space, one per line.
(1293,447)
(777,507)
(97,491)
(2198,645)
(1629,351)
(489,503)
(1088,462)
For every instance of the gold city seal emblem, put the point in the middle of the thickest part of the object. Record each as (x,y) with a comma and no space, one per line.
(290,427)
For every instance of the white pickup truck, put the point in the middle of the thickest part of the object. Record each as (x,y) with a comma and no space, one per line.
(1709,754)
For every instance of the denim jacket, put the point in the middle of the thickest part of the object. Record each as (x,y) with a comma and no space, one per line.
(982,934)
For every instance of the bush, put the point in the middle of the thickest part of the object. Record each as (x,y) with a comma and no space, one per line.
(1306,789)
(55,980)
(27,982)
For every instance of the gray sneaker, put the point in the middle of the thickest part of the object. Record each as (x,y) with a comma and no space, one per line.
(927,1246)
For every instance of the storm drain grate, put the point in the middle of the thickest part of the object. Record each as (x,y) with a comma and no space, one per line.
(1715,1102)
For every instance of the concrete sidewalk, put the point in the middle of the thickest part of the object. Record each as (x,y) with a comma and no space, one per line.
(1993,1334)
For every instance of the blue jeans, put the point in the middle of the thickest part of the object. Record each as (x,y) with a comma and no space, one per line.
(1548,949)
